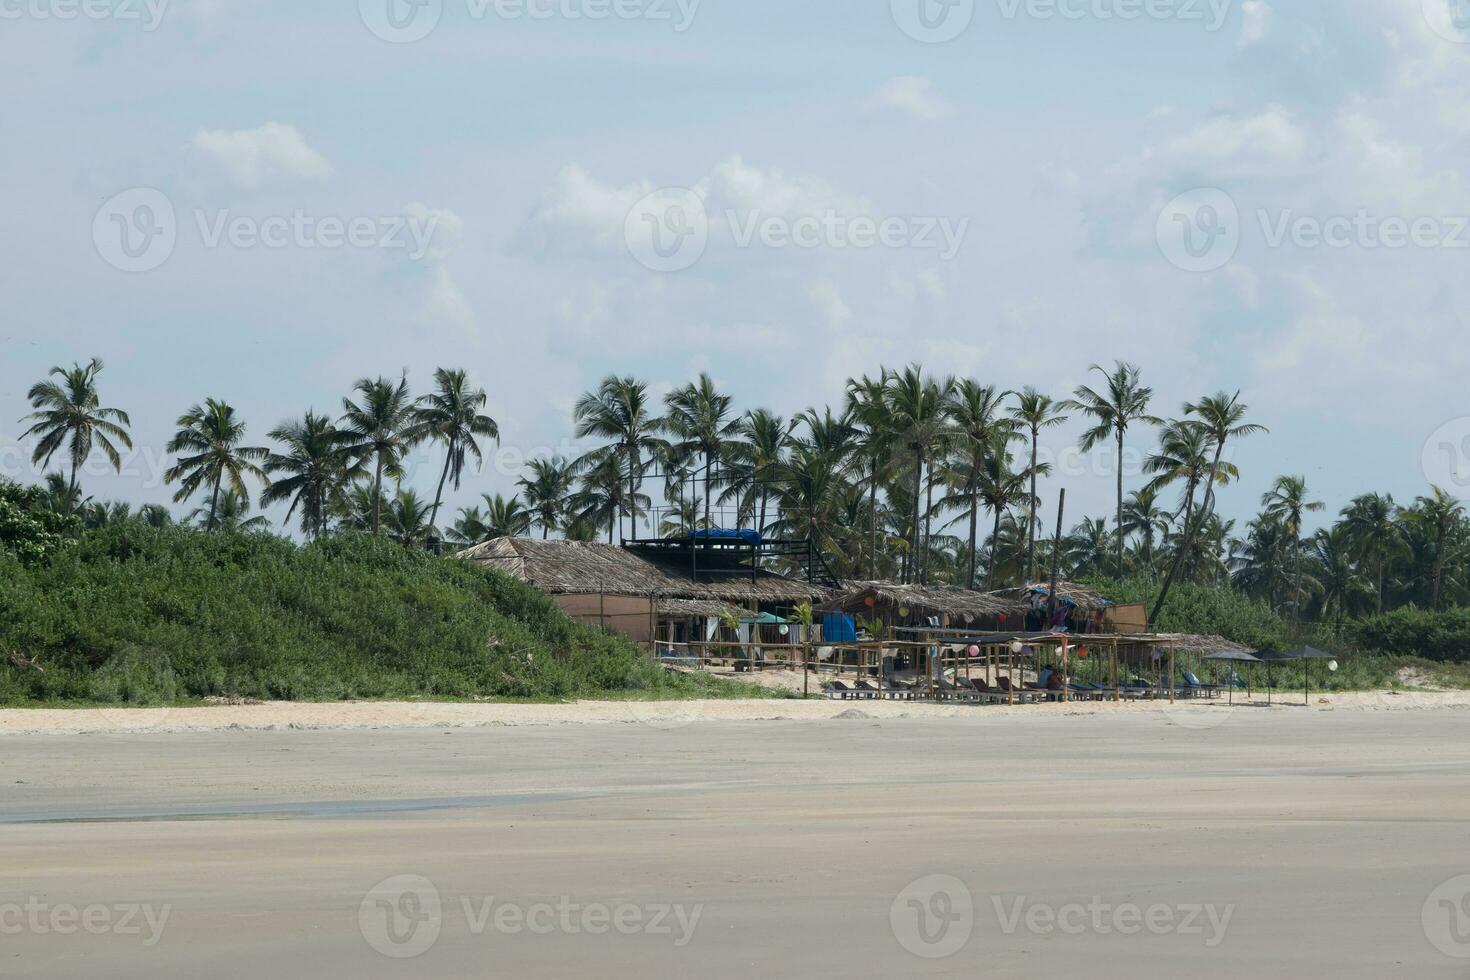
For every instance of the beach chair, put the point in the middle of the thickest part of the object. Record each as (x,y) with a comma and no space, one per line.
(1197,690)
(839,691)
(984,693)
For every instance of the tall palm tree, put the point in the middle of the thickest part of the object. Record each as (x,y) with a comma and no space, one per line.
(1122,404)
(70,412)
(1222,418)
(1000,488)
(450,414)
(601,498)
(381,426)
(1287,504)
(1337,572)
(226,512)
(919,407)
(868,407)
(1372,523)
(756,459)
(619,410)
(318,470)
(1437,514)
(1033,412)
(1143,516)
(211,435)
(978,430)
(547,491)
(699,419)
(1087,550)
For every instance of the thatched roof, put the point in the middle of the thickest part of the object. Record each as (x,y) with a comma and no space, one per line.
(1081,596)
(926,600)
(698,609)
(1193,644)
(590,568)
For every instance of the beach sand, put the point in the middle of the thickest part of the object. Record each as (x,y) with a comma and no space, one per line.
(826,840)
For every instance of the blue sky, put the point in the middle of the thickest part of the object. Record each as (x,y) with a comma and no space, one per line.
(1055,140)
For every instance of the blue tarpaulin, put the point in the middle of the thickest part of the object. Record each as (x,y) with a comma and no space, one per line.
(838,628)
(727,534)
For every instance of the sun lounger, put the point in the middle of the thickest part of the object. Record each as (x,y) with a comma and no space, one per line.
(1196,689)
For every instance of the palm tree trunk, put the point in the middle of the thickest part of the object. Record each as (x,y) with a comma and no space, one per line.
(214,503)
(378,495)
(1438,572)
(994,553)
(928,518)
(439,494)
(918,505)
(75,489)
(633,488)
(1031,512)
(1120,503)
(974,520)
(873,522)
(708,476)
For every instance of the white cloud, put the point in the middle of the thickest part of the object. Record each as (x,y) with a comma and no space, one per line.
(444,227)
(1256,16)
(913,95)
(275,153)
(1268,144)
(446,303)
(828,299)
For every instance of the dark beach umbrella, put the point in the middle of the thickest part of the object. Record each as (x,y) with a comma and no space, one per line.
(1235,656)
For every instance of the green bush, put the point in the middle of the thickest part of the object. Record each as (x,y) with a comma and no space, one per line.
(28,530)
(1443,637)
(138,615)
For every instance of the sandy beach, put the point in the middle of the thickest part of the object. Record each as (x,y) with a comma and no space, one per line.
(535,841)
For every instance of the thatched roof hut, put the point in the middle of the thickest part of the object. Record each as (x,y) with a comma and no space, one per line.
(592,568)
(888,600)
(1080,596)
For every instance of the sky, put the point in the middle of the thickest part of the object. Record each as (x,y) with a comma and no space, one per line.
(262,201)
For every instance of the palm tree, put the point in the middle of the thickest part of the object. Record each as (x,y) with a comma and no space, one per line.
(506,518)
(450,414)
(548,491)
(1087,549)
(381,426)
(1000,488)
(1222,418)
(601,496)
(1437,514)
(71,412)
(210,435)
(408,519)
(978,432)
(61,496)
(470,529)
(1124,404)
(1286,503)
(699,420)
(1372,523)
(868,407)
(619,410)
(1143,516)
(1034,412)
(918,406)
(319,468)
(226,512)
(755,462)
(1336,571)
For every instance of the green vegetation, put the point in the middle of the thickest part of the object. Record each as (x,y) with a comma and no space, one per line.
(132,614)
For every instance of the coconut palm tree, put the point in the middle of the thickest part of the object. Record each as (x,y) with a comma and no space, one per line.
(317,470)
(407,519)
(1122,404)
(755,463)
(61,497)
(210,437)
(601,495)
(1222,418)
(450,414)
(1034,412)
(868,407)
(1143,516)
(70,412)
(226,512)
(1087,550)
(1437,514)
(1371,522)
(1287,504)
(381,427)
(978,430)
(547,491)
(1000,488)
(619,410)
(506,518)
(470,528)
(919,407)
(1337,572)
(700,421)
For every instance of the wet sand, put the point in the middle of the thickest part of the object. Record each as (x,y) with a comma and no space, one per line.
(1082,842)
